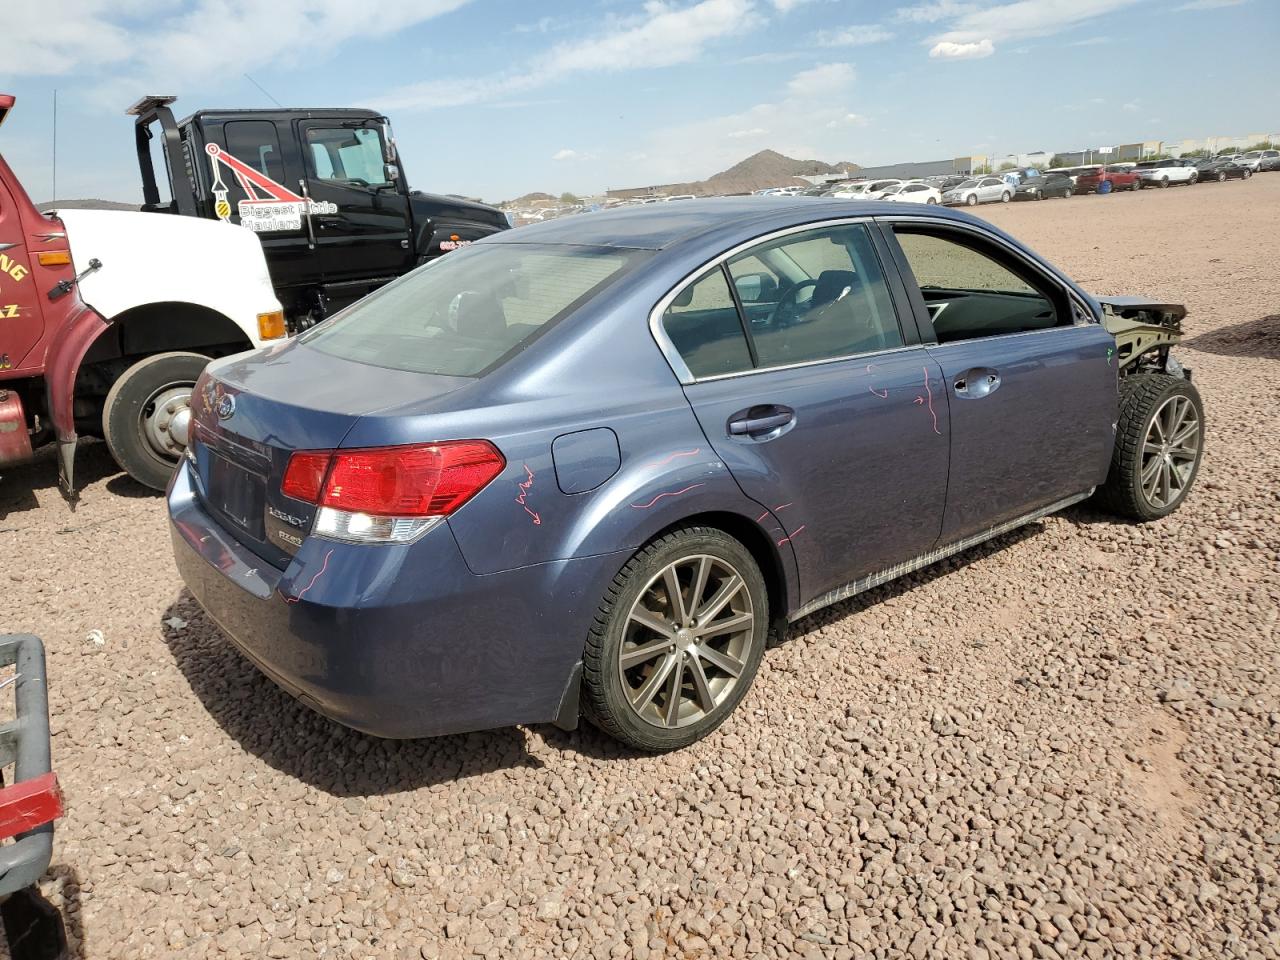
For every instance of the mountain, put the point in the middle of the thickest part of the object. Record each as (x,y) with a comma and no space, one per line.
(86,205)
(768,168)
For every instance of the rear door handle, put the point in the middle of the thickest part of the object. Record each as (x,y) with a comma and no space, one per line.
(760,420)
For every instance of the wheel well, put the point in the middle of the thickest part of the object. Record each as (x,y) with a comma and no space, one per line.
(172,325)
(762,550)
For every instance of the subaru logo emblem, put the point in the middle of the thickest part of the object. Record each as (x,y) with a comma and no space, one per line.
(226,407)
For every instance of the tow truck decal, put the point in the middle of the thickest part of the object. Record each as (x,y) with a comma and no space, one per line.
(12,267)
(280,209)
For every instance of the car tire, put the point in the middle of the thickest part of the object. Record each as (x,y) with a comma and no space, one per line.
(147,412)
(971,200)
(1155,410)
(620,694)
(1005,197)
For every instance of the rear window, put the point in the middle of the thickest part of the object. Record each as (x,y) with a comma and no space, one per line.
(471,310)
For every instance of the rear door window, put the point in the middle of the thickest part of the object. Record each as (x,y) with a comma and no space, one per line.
(466,313)
(703,324)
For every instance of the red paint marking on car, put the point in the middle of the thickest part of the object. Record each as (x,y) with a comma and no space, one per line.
(882,396)
(670,493)
(303,592)
(794,533)
(921,400)
(524,486)
(680,453)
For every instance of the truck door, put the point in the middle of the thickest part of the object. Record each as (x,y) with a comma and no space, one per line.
(21,318)
(250,186)
(361,217)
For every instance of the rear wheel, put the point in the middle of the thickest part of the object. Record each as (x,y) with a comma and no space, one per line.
(1159,443)
(147,415)
(677,640)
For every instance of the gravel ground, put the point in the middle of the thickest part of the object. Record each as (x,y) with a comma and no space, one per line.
(1064,744)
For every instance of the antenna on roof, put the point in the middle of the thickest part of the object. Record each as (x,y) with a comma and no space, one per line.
(264,90)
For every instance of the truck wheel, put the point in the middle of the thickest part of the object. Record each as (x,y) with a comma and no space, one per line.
(676,641)
(148,414)
(1159,442)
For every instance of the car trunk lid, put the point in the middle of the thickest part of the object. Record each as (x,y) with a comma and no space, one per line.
(252,412)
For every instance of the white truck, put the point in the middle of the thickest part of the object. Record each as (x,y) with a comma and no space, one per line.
(1163,173)
(108,319)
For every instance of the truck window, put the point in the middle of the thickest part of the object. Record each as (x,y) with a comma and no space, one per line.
(346,155)
(255,142)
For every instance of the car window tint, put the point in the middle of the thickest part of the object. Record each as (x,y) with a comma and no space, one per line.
(832,300)
(703,324)
(970,293)
(466,312)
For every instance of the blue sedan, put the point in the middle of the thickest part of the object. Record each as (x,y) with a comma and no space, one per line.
(591,467)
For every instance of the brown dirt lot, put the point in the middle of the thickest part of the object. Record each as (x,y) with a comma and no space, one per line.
(988,759)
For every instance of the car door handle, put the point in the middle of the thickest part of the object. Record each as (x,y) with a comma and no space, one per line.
(976,383)
(761,420)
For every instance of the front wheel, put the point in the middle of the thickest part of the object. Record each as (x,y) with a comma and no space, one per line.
(676,641)
(1159,443)
(147,416)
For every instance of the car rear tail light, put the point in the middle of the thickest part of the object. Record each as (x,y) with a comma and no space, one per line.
(390,494)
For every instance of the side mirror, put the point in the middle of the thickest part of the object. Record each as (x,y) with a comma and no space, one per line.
(756,288)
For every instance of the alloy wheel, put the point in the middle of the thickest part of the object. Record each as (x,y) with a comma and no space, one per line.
(1170,451)
(687,641)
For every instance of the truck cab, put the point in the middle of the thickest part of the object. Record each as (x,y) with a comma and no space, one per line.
(324,190)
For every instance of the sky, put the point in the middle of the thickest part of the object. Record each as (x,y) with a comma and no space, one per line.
(495,98)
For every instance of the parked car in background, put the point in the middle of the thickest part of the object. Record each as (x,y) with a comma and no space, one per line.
(1044,186)
(912,193)
(1219,169)
(373,521)
(1107,179)
(978,190)
(1162,173)
(1253,159)
(866,189)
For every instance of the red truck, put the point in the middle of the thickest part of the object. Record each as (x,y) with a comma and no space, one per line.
(1108,179)
(107,318)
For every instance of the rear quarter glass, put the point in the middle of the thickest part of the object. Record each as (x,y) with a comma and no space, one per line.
(469,312)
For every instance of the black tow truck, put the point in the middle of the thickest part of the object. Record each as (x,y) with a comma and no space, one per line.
(324,190)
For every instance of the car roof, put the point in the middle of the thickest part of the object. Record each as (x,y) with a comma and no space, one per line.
(659,226)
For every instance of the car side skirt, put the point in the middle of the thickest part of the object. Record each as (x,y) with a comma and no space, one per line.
(933,556)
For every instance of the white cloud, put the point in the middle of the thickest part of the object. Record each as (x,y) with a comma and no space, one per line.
(1026,18)
(212,37)
(662,36)
(829,79)
(950,50)
(1210,4)
(753,132)
(565,154)
(855,36)
(933,12)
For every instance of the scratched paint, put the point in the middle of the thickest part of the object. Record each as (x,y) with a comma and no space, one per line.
(669,493)
(303,592)
(522,497)
(675,456)
(882,396)
(921,401)
(794,533)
